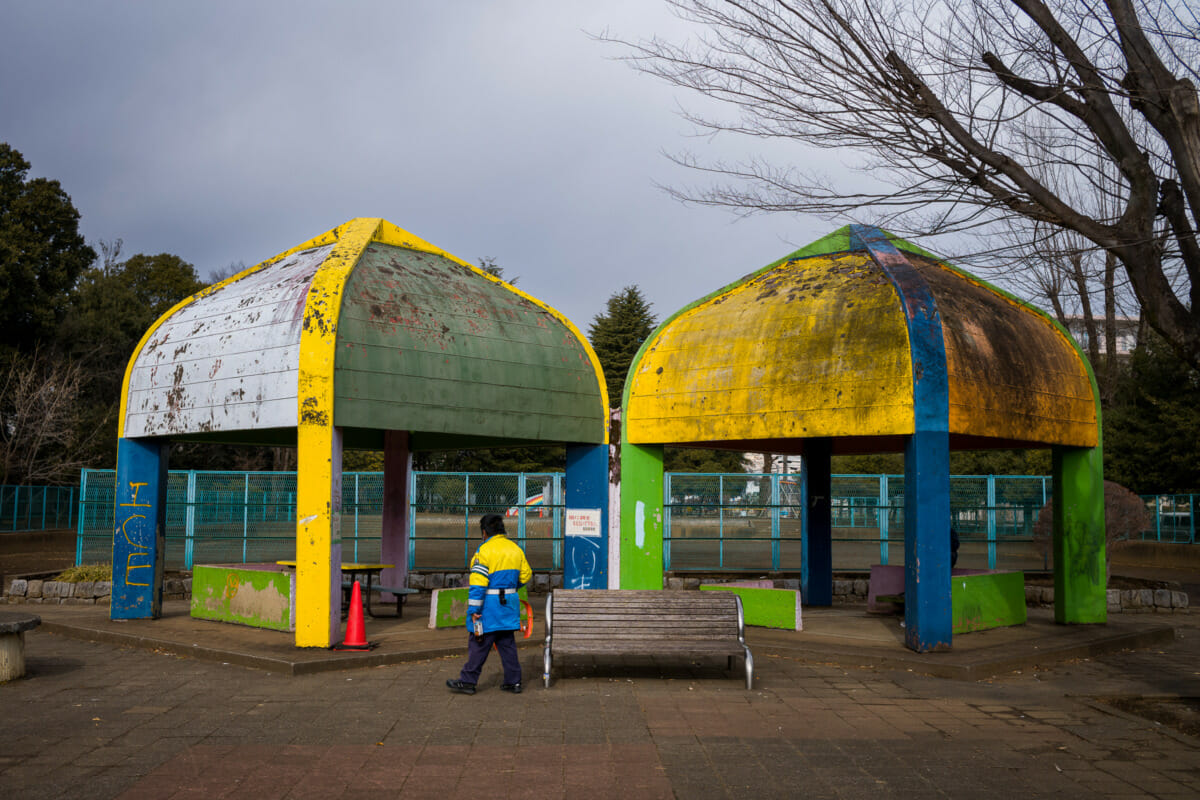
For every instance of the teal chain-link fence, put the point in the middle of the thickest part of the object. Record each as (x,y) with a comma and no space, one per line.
(446,507)
(751,522)
(1174,518)
(37,508)
(241,517)
(730,522)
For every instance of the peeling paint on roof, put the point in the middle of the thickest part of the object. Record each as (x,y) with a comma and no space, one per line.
(229,360)
(407,337)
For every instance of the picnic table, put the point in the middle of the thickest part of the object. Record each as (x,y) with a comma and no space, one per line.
(354,571)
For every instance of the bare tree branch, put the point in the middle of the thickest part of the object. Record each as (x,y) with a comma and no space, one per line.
(1080,115)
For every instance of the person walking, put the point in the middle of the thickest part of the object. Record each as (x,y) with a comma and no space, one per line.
(498,570)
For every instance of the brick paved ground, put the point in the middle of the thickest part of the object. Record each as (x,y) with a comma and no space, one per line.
(98,721)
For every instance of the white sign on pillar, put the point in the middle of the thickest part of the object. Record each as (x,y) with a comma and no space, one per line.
(583,522)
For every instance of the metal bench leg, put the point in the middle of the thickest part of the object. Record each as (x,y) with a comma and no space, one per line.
(749,670)
(546,665)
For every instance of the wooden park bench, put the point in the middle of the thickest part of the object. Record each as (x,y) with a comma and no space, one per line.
(600,622)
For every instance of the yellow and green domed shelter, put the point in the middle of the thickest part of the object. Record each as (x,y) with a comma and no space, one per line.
(365,337)
(862,343)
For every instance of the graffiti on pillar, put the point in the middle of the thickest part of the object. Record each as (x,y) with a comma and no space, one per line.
(132,526)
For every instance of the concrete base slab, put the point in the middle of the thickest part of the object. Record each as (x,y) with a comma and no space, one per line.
(843,635)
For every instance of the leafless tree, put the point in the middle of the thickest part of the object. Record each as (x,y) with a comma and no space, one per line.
(1079,281)
(41,437)
(966,108)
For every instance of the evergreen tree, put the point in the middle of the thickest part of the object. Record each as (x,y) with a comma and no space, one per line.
(112,306)
(42,253)
(694,459)
(1152,429)
(617,335)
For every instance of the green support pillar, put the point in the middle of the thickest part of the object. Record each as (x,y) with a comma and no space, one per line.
(641,516)
(1080,574)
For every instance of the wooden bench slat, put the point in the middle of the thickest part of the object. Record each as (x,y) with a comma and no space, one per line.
(633,630)
(671,650)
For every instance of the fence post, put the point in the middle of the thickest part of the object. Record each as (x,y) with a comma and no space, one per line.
(556,521)
(1158,517)
(521,510)
(721,513)
(412,520)
(356,516)
(882,513)
(991,520)
(775,555)
(189,525)
(16,505)
(466,517)
(79,520)
(245,513)
(666,530)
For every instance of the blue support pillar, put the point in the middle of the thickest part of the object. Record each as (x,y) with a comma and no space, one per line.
(139,537)
(816,526)
(928,615)
(585,534)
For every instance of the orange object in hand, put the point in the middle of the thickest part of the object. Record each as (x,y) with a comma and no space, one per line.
(527,625)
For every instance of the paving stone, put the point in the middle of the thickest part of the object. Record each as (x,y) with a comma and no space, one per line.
(171,726)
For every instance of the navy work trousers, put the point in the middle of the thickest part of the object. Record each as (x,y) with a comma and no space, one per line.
(478,648)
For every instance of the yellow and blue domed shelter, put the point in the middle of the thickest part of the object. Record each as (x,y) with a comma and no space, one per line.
(863,343)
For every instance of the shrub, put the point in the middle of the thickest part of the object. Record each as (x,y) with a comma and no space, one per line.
(86,572)
(1125,517)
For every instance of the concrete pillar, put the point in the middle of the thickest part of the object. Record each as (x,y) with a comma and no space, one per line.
(585,534)
(928,612)
(641,516)
(1080,572)
(816,526)
(139,535)
(318,535)
(394,525)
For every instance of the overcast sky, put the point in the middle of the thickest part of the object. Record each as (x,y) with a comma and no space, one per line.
(226,132)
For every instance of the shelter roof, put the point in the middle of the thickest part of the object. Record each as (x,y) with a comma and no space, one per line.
(860,337)
(409,337)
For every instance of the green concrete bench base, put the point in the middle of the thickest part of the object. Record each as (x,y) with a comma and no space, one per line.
(258,595)
(764,607)
(448,607)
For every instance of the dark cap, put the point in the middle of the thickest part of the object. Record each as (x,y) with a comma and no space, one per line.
(491,524)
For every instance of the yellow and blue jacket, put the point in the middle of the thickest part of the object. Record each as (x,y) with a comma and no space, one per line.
(498,570)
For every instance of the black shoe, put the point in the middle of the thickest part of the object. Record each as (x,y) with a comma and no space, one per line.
(515,688)
(462,687)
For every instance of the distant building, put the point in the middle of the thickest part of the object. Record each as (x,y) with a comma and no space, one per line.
(1127,333)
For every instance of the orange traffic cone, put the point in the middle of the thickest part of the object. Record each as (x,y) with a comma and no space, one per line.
(356,638)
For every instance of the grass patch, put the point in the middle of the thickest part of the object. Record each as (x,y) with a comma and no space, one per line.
(86,572)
